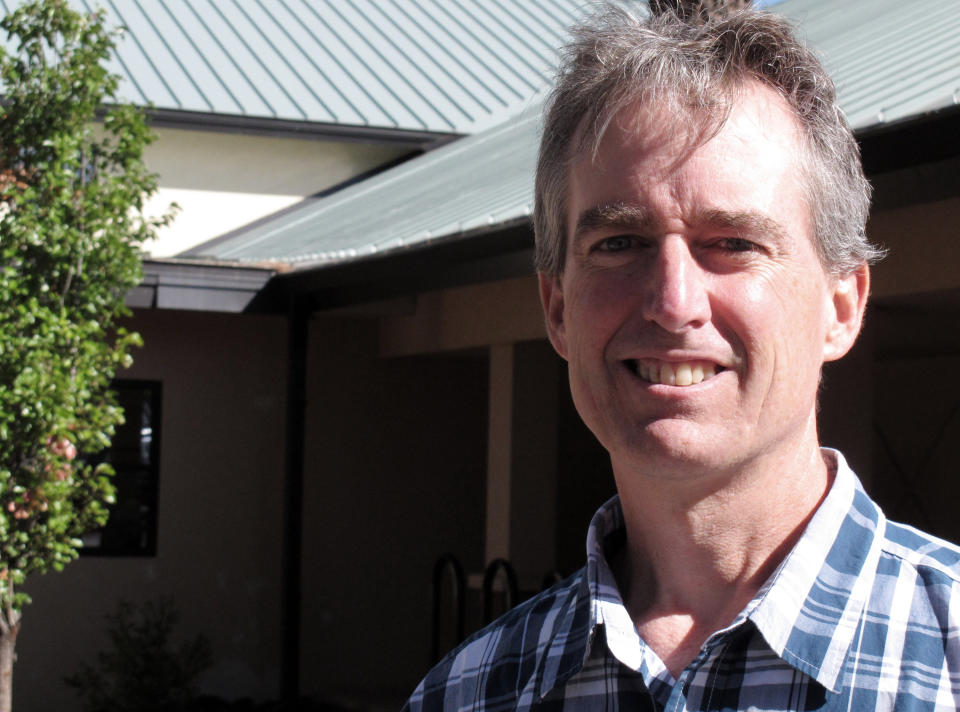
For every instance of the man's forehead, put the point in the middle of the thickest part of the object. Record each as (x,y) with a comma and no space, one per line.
(734,175)
(674,124)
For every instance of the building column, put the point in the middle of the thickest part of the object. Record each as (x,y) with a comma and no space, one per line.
(521,459)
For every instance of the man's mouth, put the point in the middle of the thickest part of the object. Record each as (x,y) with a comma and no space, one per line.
(673,373)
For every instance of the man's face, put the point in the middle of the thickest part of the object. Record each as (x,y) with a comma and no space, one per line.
(693,309)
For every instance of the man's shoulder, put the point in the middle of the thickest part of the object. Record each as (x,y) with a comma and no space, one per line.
(929,555)
(507,659)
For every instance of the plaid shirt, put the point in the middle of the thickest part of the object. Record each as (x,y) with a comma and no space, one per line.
(861,615)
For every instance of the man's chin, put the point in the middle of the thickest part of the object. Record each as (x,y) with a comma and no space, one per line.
(673,447)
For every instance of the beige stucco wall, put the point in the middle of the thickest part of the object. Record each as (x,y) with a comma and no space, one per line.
(476,315)
(222,181)
(220,500)
(924,245)
(887,403)
(394,476)
(394,472)
(916,418)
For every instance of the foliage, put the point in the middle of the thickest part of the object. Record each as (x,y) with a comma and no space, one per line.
(72,190)
(142,671)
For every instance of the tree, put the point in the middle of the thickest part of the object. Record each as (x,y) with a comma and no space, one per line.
(72,191)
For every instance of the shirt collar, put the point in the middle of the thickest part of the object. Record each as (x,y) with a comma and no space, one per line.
(575,627)
(808,611)
(571,635)
(606,535)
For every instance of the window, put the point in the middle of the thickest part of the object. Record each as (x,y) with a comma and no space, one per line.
(134,454)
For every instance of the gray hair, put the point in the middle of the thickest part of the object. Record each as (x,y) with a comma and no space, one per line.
(618,58)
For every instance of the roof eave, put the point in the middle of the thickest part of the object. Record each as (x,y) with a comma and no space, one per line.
(494,252)
(270,126)
(190,285)
(923,138)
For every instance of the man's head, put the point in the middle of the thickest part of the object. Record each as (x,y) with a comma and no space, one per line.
(697,70)
(682,272)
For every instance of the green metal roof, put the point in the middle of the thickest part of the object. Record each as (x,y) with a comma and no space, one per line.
(423,65)
(890,59)
(474,182)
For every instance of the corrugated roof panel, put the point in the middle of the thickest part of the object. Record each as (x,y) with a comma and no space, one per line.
(890,60)
(420,64)
(374,69)
(314,70)
(425,65)
(221,69)
(149,82)
(252,63)
(279,56)
(414,64)
(465,70)
(199,84)
(156,59)
(496,40)
(471,46)
(349,98)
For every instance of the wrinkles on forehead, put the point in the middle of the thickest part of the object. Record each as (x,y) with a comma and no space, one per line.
(659,117)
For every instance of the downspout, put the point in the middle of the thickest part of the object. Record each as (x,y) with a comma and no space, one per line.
(293,502)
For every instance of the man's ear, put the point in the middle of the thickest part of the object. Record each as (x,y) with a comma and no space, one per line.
(551,295)
(849,302)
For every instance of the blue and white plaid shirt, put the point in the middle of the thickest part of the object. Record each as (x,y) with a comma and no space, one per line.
(863,614)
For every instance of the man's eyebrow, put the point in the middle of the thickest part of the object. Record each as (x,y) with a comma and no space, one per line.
(612,216)
(635,218)
(746,222)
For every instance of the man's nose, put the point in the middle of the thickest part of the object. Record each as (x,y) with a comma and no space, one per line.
(675,296)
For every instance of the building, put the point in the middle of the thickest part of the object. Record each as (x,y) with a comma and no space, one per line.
(361,382)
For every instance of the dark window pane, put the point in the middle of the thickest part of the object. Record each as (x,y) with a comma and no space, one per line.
(132,527)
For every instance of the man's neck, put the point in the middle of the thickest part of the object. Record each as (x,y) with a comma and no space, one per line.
(697,553)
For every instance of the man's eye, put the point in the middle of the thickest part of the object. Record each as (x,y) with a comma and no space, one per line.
(738,244)
(617,243)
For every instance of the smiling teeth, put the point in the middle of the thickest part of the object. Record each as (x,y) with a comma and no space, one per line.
(685,373)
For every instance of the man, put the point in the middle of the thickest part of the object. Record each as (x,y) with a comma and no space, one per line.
(701,249)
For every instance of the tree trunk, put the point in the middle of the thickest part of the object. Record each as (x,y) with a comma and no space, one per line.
(8,641)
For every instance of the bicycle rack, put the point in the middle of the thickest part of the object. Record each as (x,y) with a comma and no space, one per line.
(448,562)
(512,591)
